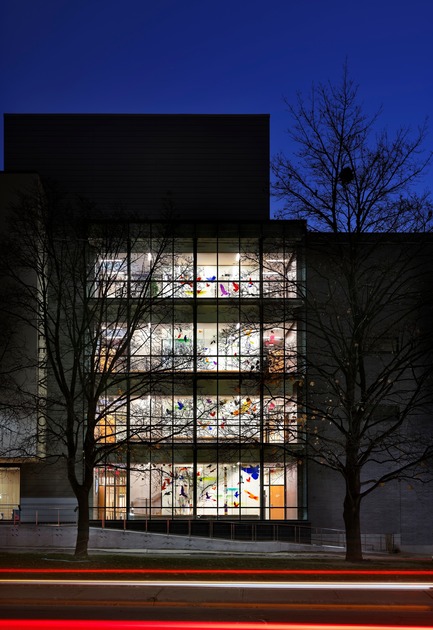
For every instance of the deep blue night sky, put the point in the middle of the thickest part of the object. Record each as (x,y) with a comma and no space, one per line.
(237,56)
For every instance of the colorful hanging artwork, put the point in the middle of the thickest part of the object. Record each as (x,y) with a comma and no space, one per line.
(243,409)
(254,471)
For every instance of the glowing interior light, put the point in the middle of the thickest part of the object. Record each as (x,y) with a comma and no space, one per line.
(149,256)
(238,257)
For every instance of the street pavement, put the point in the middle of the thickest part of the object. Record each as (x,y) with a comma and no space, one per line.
(236,601)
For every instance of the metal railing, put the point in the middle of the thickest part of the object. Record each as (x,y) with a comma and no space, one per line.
(38,514)
(297,533)
(247,531)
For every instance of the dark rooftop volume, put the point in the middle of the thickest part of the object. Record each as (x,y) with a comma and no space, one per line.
(204,167)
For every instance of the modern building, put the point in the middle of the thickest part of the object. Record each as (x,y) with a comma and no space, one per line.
(209,434)
(213,382)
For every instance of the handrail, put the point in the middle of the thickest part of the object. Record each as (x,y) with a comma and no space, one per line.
(294,532)
(252,531)
(38,513)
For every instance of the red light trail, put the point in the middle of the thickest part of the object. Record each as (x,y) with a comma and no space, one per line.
(77,624)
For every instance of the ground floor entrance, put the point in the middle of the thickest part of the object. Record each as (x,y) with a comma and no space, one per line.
(248,489)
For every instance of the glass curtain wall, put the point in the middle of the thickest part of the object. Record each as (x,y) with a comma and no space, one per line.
(215,435)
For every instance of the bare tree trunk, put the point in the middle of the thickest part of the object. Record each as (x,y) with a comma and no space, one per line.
(82,542)
(352,522)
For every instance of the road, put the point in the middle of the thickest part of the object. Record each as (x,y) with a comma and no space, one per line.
(383,604)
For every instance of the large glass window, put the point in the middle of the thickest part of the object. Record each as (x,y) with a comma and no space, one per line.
(280,420)
(112,353)
(227,347)
(281,491)
(176,277)
(220,347)
(9,491)
(162,347)
(280,347)
(111,274)
(227,275)
(112,425)
(279,275)
(183,418)
(205,489)
(166,418)
(222,274)
(203,441)
(110,490)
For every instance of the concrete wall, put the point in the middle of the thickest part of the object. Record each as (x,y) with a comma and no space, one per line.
(39,537)
(52,537)
(401,509)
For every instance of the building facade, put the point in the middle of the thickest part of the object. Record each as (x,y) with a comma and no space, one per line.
(206,428)
(211,433)
(205,412)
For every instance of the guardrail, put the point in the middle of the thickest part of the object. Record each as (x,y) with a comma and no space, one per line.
(389,543)
(252,531)
(255,531)
(39,513)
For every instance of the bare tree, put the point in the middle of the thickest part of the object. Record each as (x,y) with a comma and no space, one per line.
(94,296)
(368,251)
(345,177)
